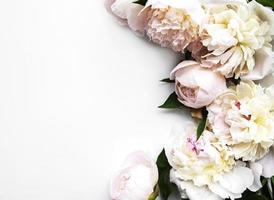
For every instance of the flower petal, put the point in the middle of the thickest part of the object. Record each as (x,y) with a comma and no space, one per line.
(237,180)
(222,192)
(268,162)
(265,14)
(194,8)
(257,170)
(189,190)
(264,65)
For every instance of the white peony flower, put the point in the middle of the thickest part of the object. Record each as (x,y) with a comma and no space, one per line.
(174,23)
(136,180)
(238,37)
(206,166)
(243,117)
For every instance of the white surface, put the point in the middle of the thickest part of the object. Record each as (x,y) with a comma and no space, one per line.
(77,93)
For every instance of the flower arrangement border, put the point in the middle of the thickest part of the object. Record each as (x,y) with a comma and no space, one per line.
(227,151)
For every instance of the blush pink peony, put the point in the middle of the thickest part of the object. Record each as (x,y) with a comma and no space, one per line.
(197,86)
(128,13)
(136,180)
(173,23)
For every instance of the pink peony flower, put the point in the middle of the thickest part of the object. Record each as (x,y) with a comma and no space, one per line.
(196,86)
(136,180)
(173,23)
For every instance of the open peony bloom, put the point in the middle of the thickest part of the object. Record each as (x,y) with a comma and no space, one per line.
(243,117)
(173,23)
(136,180)
(238,38)
(128,13)
(196,86)
(206,169)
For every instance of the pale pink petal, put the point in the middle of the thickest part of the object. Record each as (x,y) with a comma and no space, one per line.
(194,8)
(180,66)
(136,19)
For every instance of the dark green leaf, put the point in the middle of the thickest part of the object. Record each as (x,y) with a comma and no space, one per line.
(188,55)
(234,81)
(167,80)
(164,184)
(172,102)
(202,124)
(253,196)
(264,182)
(141,2)
(269,3)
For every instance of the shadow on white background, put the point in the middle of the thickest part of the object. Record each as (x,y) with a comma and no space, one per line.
(78,93)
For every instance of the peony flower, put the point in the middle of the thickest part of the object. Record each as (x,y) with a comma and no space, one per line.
(136,180)
(196,86)
(243,117)
(173,23)
(206,169)
(128,13)
(238,37)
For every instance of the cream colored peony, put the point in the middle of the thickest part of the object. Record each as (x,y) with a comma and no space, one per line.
(206,169)
(238,37)
(173,23)
(243,117)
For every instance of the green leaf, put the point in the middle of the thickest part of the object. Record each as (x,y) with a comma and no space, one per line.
(253,196)
(155,193)
(141,2)
(152,197)
(234,81)
(272,179)
(202,124)
(269,3)
(164,184)
(188,55)
(172,102)
(167,80)
(264,182)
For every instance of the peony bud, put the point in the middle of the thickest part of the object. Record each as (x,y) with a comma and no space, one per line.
(197,86)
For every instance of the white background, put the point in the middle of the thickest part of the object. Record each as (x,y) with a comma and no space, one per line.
(77,93)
